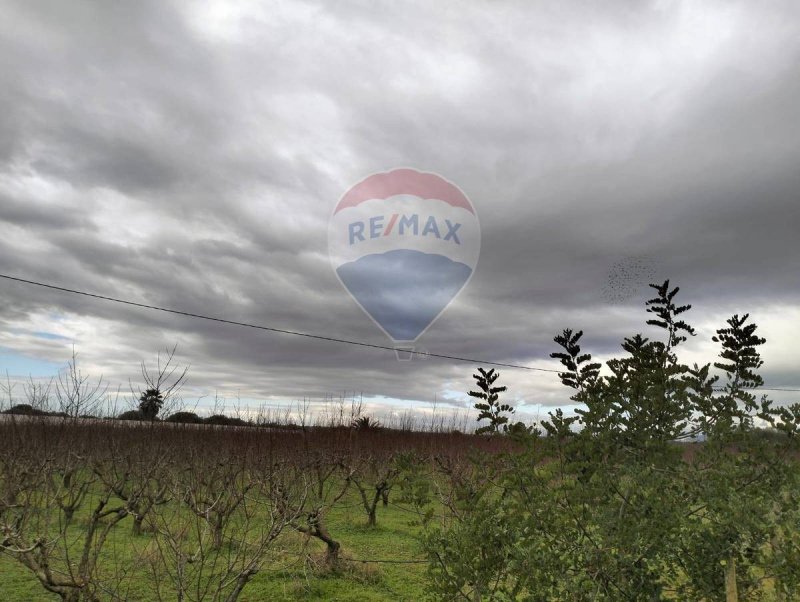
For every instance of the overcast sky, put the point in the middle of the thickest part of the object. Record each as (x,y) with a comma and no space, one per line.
(189,155)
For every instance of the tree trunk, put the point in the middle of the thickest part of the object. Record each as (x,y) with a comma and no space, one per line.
(333,546)
(242,580)
(137,525)
(476,594)
(385,497)
(332,553)
(779,596)
(370,506)
(218,533)
(731,591)
(373,508)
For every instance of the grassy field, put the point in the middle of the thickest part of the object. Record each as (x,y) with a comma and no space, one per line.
(70,490)
(288,574)
(221,508)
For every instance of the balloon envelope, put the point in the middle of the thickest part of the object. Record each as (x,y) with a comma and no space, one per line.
(403,244)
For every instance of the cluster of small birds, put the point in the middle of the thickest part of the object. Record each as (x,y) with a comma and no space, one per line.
(627,277)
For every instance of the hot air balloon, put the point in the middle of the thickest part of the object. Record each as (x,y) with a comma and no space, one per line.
(404,243)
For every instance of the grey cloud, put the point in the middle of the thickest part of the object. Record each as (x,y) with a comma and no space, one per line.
(226,152)
(23,212)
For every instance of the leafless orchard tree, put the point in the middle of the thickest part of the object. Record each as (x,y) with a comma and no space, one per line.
(6,393)
(325,467)
(213,487)
(161,384)
(213,544)
(36,394)
(65,486)
(77,394)
(374,474)
(137,472)
(57,479)
(206,504)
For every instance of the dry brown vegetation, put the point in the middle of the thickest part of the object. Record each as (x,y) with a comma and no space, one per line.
(202,504)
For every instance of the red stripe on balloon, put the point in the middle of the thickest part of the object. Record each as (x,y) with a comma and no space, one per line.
(389,227)
(404,181)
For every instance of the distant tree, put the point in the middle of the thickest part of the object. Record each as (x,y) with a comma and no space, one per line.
(76,393)
(150,403)
(131,415)
(161,385)
(489,407)
(366,423)
(25,409)
(185,417)
(223,420)
(520,430)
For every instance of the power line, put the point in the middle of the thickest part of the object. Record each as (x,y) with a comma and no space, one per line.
(718,389)
(362,560)
(300,334)
(384,561)
(270,328)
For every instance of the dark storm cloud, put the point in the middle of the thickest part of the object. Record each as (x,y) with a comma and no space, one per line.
(191,158)
(26,213)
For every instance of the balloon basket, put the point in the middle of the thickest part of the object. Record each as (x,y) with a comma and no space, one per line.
(404,353)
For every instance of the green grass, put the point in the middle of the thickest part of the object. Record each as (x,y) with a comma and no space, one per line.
(286,574)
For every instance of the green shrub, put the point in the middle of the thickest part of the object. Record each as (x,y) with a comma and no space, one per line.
(185,417)
(131,415)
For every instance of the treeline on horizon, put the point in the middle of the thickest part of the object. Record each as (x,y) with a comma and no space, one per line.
(75,395)
(265,417)
(405,423)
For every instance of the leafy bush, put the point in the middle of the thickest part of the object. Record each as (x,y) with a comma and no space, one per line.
(490,407)
(185,417)
(222,420)
(131,415)
(25,409)
(610,505)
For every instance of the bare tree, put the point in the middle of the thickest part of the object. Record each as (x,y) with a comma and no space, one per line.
(213,552)
(43,488)
(161,385)
(213,487)
(38,394)
(78,394)
(138,475)
(374,474)
(324,471)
